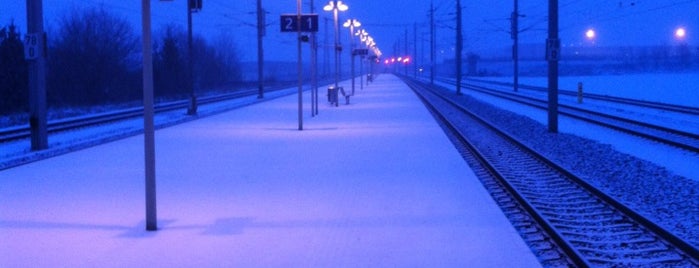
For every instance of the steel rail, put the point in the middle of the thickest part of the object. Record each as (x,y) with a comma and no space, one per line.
(687,249)
(23,132)
(649,104)
(674,137)
(570,252)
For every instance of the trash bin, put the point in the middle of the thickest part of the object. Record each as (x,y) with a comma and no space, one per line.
(332,95)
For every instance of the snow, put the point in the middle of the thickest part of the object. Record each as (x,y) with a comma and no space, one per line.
(645,87)
(656,181)
(244,188)
(673,88)
(18,152)
(371,184)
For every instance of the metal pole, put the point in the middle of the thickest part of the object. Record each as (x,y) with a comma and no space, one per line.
(415,50)
(371,71)
(422,53)
(326,56)
(553,53)
(314,69)
(192,110)
(515,45)
(148,113)
(459,47)
(361,72)
(337,46)
(260,50)
(432,60)
(37,78)
(405,65)
(300,63)
(352,52)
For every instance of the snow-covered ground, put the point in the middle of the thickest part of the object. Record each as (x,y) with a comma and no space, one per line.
(18,152)
(372,184)
(652,87)
(673,88)
(655,180)
(62,216)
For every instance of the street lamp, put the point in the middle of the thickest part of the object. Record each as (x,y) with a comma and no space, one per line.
(362,40)
(335,6)
(370,44)
(680,33)
(590,34)
(351,23)
(192,6)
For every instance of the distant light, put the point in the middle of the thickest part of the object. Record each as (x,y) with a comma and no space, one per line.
(352,23)
(341,6)
(590,34)
(331,5)
(680,33)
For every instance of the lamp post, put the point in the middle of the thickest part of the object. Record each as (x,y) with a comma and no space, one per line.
(192,6)
(514,21)
(260,50)
(553,45)
(362,38)
(351,23)
(335,6)
(371,44)
(299,62)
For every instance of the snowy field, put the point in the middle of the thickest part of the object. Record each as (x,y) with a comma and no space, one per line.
(372,184)
(673,88)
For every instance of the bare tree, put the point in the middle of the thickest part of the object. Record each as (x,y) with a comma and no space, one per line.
(170,64)
(92,58)
(14,74)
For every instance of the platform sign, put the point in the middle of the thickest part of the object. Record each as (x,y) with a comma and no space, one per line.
(32,46)
(553,49)
(289,23)
(360,51)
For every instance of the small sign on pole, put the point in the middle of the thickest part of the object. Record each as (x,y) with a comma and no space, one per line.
(360,51)
(289,23)
(32,45)
(553,49)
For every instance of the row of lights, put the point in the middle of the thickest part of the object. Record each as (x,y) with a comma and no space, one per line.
(394,60)
(335,6)
(680,33)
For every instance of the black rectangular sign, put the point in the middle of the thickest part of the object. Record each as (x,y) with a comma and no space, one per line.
(309,23)
(360,51)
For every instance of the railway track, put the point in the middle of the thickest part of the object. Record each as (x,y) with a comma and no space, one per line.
(641,103)
(23,132)
(583,226)
(677,138)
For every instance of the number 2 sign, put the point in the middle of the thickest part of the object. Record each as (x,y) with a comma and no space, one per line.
(309,23)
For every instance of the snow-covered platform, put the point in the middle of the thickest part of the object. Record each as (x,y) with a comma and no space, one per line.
(372,184)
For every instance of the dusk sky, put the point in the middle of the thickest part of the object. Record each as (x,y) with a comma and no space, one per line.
(486,26)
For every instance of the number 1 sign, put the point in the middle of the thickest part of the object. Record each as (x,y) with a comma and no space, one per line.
(309,23)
